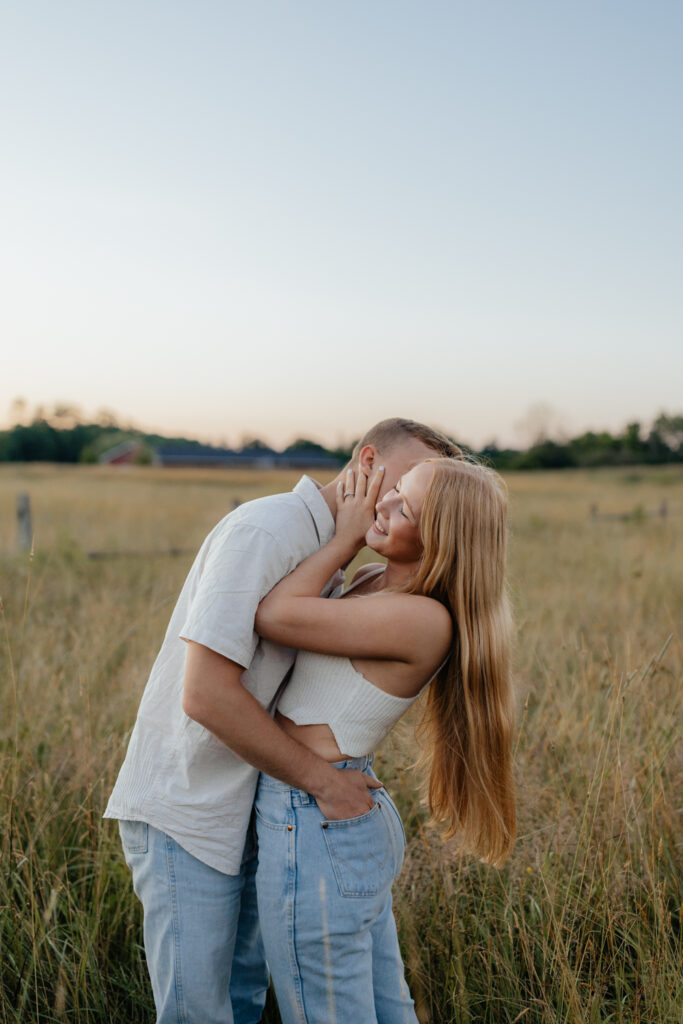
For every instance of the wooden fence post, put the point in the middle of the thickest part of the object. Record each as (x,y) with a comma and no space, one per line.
(25,528)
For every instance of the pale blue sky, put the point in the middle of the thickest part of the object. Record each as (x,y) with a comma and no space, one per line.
(297,218)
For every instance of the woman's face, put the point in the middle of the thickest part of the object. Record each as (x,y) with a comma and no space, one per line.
(395,532)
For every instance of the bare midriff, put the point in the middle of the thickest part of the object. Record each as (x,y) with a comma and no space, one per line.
(318,738)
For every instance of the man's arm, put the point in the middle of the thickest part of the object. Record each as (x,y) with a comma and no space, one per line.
(214,696)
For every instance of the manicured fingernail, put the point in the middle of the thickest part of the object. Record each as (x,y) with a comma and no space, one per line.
(381,469)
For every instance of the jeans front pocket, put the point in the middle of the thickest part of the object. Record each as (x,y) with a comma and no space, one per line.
(361,852)
(261,822)
(272,806)
(134,836)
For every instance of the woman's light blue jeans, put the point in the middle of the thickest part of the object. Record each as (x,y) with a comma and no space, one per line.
(324,898)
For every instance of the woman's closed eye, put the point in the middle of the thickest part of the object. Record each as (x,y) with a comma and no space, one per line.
(403,508)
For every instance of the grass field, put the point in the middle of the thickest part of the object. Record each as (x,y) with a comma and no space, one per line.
(582,925)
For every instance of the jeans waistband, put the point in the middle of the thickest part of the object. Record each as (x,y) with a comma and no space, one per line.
(355,763)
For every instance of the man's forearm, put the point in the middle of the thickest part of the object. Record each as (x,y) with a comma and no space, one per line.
(215,697)
(239,721)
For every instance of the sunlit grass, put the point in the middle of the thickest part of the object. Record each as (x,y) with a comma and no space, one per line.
(582,924)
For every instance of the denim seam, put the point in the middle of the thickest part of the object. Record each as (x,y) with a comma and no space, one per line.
(291,923)
(397,839)
(399,842)
(175,917)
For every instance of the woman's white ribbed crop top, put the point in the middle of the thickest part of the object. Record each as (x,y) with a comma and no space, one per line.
(325,689)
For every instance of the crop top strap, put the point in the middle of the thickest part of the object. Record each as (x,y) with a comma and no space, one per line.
(366,576)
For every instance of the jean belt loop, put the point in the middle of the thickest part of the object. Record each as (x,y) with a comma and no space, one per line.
(298,798)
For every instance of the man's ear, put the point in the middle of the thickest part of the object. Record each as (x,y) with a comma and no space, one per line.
(367,459)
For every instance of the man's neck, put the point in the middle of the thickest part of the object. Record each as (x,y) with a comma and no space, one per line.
(329,493)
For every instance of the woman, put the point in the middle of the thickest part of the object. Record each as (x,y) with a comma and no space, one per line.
(436,614)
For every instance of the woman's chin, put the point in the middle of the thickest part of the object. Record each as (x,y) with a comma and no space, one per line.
(373,539)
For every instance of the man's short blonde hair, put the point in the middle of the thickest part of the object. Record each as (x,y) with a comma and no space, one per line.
(387,434)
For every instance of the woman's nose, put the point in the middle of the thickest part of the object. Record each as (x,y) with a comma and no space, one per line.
(384,502)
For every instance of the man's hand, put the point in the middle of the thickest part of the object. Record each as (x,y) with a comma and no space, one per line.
(345,794)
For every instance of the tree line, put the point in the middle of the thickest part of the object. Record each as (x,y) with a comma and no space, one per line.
(659,443)
(50,439)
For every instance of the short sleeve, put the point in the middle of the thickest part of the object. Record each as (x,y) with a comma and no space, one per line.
(242,564)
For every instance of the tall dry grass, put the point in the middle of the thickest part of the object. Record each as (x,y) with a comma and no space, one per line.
(582,924)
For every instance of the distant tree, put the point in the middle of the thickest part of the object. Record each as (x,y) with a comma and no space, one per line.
(37,442)
(107,418)
(539,422)
(634,449)
(341,452)
(64,415)
(18,410)
(255,444)
(303,444)
(546,455)
(670,430)
(591,449)
(498,458)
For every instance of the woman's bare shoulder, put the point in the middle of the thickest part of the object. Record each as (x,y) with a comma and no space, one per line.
(434,616)
(421,619)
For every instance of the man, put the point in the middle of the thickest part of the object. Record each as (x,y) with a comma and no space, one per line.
(204,729)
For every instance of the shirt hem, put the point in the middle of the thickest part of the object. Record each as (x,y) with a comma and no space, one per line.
(212,862)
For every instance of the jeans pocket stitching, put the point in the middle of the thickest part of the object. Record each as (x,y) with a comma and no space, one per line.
(335,823)
(337,859)
(142,844)
(274,826)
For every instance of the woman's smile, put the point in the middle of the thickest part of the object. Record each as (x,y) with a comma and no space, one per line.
(395,532)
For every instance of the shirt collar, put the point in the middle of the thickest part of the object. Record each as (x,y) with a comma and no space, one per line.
(309,492)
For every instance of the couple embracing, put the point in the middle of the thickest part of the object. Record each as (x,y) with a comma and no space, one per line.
(257,835)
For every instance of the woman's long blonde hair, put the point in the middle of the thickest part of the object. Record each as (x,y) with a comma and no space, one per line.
(468,722)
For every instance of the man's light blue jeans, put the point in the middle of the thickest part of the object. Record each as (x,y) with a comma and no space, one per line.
(202,938)
(324,895)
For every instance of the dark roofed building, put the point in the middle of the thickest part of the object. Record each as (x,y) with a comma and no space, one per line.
(248,458)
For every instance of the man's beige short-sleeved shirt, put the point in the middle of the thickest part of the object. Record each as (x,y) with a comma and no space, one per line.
(177,776)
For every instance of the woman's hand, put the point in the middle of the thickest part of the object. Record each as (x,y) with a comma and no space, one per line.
(356,500)
(293,613)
